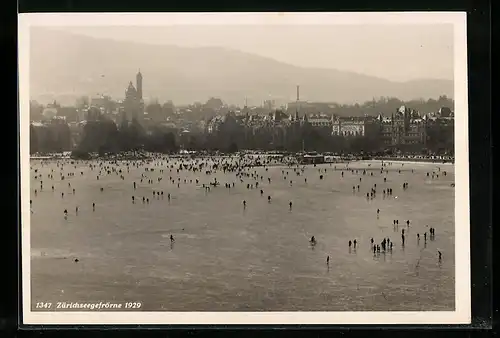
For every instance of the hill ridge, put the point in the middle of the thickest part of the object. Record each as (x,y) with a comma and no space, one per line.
(70,65)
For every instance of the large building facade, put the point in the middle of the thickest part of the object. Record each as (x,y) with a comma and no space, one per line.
(349,127)
(406,128)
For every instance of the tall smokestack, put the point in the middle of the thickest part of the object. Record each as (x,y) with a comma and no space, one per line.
(298,93)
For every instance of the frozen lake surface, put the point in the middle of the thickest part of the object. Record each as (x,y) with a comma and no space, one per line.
(229,258)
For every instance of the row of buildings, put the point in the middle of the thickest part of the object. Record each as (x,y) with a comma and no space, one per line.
(403,127)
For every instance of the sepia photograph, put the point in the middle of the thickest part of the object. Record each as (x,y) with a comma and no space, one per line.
(244,168)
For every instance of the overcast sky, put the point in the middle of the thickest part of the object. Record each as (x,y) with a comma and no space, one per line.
(395,52)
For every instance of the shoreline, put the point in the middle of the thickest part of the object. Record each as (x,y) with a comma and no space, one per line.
(145,156)
(413,160)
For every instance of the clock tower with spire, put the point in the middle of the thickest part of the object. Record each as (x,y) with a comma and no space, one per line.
(133,105)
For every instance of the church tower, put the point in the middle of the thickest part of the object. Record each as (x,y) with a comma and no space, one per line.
(138,79)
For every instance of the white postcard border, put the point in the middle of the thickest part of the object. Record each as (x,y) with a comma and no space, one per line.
(462,313)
